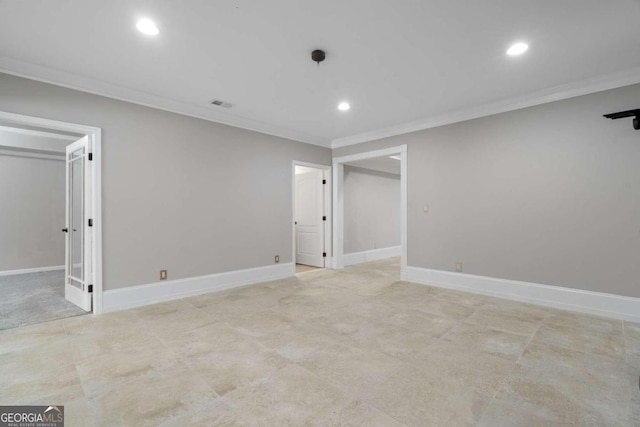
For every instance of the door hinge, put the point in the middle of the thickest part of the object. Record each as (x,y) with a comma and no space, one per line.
(90,288)
(324,181)
(90,156)
(324,218)
(324,254)
(90,222)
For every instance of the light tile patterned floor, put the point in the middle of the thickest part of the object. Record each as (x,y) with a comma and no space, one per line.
(301,268)
(354,347)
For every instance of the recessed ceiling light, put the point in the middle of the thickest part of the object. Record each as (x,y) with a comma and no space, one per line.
(146,26)
(344,106)
(395,157)
(517,49)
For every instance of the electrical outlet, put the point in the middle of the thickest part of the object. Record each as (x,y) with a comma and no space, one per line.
(163,274)
(458,266)
(277,259)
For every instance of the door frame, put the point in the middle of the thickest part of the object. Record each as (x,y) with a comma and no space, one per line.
(338,202)
(95,140)
(326,170)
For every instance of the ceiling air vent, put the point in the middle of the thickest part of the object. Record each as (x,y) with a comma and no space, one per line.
(220,103)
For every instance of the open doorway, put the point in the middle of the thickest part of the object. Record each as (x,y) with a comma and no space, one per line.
(311,214)
(49,235)
(370,209)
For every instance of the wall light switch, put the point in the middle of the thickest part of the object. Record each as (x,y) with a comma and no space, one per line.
(425,208)
(163,274)
(458,266)
(277,259)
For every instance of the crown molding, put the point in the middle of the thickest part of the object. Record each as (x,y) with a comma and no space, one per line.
(557,93)
(85,84)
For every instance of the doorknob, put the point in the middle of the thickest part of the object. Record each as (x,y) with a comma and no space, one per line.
(65,230)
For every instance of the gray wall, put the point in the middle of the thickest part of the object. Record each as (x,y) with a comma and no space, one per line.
(548,194)
(32,199)
(371,209)
(179,193)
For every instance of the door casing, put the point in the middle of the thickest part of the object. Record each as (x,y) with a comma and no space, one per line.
(326,208)
(95,138)
(338,202)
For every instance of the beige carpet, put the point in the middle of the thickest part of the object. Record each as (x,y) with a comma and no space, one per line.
(330,348)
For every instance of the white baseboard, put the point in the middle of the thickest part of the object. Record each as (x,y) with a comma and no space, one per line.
(138,296)
(596,303)
(372,255)
(31,270)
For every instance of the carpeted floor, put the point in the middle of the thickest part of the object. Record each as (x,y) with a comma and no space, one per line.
(33,298)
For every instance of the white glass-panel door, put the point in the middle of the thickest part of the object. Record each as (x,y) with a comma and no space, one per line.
(77,228)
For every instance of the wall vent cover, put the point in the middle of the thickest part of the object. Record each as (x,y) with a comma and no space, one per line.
(219,103)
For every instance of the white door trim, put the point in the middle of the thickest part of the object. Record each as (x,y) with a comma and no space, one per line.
(327,209)
(338,202)
(95,138)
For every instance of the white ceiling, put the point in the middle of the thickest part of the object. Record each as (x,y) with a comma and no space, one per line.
(403,65)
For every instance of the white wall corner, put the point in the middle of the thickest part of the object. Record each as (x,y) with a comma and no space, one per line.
(372,255)
(152,293)
(595,303)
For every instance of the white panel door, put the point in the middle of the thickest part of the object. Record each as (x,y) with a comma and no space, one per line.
(77,227)
(309,223)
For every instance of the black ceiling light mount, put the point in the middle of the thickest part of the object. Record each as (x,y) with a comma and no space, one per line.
(630,113)
(318,56)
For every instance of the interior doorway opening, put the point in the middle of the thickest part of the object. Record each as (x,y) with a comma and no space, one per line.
(51,261)
(390,166)
(372,211)
(311,216)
